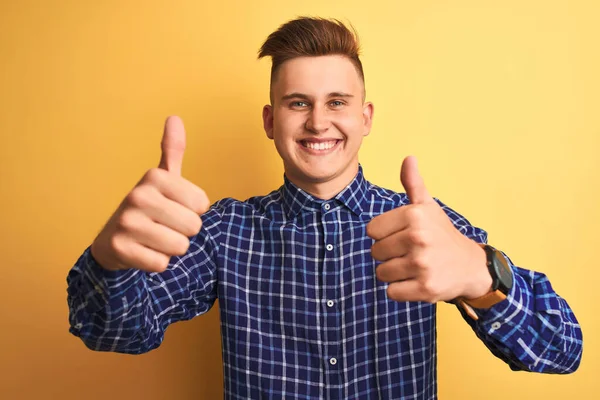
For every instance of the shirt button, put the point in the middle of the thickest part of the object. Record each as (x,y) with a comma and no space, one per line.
(329,247)
(79,326)
(98,289)
(496,325)
(329,303)
(332,361)
(327,206)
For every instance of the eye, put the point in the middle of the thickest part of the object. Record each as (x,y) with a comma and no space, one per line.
(336,103)
(298,104)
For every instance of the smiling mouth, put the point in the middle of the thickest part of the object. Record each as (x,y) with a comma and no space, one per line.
(320,146)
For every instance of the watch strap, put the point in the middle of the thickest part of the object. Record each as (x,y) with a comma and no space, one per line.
(487,300)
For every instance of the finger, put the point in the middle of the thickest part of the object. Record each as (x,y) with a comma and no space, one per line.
(413,182)
(395,245)
(179,190)
(173,145)
(143,258)
(408,290)
(159,237)
(395,269)
(175,216)
(387,223)
(192,197)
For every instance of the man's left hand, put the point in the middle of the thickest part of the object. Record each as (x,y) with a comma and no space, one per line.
(424,257)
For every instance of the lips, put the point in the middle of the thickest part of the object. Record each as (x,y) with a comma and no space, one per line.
(319,145)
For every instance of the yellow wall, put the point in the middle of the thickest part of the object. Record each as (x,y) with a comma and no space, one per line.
(499,100)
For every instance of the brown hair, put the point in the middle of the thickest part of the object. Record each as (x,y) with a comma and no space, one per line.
(308,36)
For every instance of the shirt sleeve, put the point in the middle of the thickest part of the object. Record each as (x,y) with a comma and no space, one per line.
(128,311)
(533,329)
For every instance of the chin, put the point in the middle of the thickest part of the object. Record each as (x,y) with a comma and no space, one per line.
(318,173)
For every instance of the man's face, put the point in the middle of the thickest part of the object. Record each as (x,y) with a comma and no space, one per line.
(318,118)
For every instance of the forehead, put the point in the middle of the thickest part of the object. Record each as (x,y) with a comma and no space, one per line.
(317,76)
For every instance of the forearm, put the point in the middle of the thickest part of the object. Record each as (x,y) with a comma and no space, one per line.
(110,310)
(128,311)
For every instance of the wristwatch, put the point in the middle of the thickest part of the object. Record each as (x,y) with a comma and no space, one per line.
(502,282)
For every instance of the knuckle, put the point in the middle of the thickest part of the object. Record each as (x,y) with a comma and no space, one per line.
(137,198)
(414,214)
(412,236)
(417,236)
(123,222)
(420,261)
(431,290)
(153,175)
(126,222)
(117,245)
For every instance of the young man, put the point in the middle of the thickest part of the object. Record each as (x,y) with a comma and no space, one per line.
(327,286)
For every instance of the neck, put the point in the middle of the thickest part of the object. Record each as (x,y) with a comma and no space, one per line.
(325,190)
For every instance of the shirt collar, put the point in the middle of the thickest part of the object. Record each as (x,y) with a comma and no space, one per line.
(352,196)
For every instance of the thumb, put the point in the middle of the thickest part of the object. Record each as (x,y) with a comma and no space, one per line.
(413,182)
(172,145)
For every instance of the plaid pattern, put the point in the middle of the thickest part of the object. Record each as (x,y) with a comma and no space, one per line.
(302,313)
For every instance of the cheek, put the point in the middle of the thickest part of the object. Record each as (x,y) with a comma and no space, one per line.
(350,124)
(284,129)
(286,125)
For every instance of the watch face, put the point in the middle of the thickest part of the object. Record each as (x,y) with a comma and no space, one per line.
(503,272)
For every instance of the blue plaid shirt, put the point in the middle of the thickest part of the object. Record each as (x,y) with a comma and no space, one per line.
(302,313)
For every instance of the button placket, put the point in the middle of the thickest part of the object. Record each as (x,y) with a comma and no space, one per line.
(332,320)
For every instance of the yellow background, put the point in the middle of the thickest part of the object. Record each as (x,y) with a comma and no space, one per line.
(499,101)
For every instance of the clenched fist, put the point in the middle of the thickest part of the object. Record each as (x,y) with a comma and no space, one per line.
(156,219)
(424,257)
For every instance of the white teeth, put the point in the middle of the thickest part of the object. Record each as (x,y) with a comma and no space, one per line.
(319,146)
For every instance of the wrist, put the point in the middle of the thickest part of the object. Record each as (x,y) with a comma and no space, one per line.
(501,276)
(478,276)
(96,256)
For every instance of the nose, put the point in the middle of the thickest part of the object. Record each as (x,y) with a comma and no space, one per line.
(318,120)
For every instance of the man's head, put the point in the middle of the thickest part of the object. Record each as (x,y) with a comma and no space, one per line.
(317,116)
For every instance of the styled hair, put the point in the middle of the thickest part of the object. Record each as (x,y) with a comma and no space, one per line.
(307,36)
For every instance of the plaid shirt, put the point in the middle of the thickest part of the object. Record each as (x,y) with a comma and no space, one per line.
(302,313)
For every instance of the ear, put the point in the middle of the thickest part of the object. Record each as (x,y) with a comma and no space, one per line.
(368,111)
(267,116)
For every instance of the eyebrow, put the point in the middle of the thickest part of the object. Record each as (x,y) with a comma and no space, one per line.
(296,95)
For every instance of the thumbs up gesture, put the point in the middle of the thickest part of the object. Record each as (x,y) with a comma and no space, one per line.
(424,257)
(156,219)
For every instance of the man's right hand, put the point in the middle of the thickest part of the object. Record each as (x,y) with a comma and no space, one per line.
(156,219)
